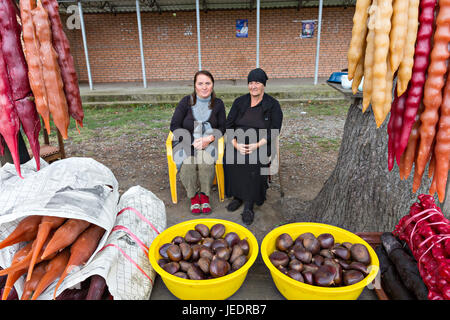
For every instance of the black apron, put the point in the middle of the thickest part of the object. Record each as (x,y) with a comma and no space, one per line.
(243,177)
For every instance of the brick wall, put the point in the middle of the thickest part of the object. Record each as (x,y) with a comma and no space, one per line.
(170,44)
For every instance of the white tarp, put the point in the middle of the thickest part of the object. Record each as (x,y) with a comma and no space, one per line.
(83,188)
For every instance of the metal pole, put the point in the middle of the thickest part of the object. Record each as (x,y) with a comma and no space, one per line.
(86,54)
(138,13)
(319,28)
(257,31)
(197,9)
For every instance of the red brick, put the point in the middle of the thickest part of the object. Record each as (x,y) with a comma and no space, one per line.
(114,51)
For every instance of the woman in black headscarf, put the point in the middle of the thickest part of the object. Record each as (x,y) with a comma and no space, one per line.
(252,124)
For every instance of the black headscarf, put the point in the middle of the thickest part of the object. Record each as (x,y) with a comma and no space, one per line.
(257,75)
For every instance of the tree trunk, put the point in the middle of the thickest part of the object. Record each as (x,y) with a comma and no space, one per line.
(361,195)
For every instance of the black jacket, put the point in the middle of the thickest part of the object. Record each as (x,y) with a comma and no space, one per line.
(183,117)
(273,116)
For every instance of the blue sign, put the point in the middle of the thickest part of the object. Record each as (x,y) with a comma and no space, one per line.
(242,28)
(308,28)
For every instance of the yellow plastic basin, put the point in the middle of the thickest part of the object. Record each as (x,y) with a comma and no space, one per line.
(209,289)
(295,290)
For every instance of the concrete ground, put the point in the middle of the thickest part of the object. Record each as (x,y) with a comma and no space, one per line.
(258,284)
(186,86)
(160,92)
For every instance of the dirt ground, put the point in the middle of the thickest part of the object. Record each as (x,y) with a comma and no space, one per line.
(309,146)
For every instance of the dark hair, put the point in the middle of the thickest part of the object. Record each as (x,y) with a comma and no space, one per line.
(194,94)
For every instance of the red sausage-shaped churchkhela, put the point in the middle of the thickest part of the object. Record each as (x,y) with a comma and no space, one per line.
(12,51)
(2,145)
(421,62)
(65,60)
(18,75)
(28,116)
(9,120)
(432,95)
(391,132)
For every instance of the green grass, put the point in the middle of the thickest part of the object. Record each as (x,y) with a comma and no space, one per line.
(115,121)
(296,147)
(327,144)
(313,142)
(338,108)
(132,117)
(126,116)
(145,120)
(317,108)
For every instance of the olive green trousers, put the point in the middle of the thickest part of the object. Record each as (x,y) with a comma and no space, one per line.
(197,173)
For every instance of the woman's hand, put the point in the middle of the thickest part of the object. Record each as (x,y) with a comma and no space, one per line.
(245,148)
(242,148)
(252,147)
(203,142)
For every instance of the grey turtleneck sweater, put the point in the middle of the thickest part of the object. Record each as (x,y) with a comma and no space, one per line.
(201,113)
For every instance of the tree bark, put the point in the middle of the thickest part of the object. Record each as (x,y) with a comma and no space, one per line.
(361,195)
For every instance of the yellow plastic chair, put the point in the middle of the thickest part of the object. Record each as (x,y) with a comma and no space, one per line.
(219,179)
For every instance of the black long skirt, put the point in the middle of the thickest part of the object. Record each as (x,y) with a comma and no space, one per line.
(245,181)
